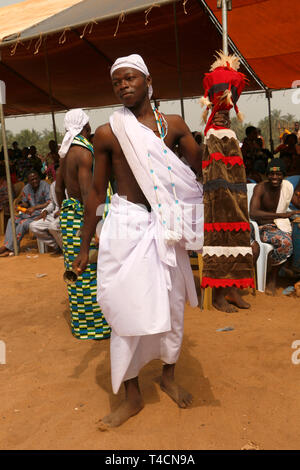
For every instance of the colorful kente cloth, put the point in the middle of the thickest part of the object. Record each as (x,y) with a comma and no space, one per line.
(227,254)
(83,142)
(87,321)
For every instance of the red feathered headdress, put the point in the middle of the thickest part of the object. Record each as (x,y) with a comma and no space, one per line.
(223,86)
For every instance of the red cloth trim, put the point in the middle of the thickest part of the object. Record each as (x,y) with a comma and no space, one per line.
(232,160)
(240,283)
(218,226)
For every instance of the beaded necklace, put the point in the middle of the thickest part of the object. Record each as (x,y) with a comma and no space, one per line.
(162,127)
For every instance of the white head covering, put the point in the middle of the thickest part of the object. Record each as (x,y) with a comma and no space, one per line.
(134,61)
(74,122)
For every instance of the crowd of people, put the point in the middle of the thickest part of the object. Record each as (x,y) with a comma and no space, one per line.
(22,161)
(136,292)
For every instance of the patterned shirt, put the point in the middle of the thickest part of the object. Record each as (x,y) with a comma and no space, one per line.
(33,198)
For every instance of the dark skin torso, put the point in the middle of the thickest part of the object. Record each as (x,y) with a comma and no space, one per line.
(269,197)
(75,174)
(264,203)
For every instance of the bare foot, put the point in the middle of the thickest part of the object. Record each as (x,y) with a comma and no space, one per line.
(224,306)
(3,249)
(122,414)
(235,298)
(177,393)
(219,301)
(5,253)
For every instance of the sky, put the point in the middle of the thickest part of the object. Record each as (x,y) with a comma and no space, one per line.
(254,107)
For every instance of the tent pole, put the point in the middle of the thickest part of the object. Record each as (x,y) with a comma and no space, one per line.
(9,186)
(50,90)
(225,28)
(178,61)
(225,5)
(269,96)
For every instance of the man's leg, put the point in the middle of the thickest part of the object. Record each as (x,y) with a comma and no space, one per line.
(132,404)
(54,230)
(172,340)
(8,240)
(282,250)
(21,229)
(40,228)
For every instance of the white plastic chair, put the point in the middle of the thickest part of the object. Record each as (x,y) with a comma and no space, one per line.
(265,248)
(42,247)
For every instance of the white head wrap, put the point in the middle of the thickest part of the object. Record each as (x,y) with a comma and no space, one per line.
(74,122)
(134,61)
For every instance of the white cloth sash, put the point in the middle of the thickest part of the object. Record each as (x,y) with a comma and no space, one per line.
(183,220)
(286,194)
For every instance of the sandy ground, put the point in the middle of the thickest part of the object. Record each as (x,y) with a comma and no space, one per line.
(54,388)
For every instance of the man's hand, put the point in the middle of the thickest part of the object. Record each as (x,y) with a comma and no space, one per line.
(80,263)
(221,119)
(292,213)
(42,215)
(30,211)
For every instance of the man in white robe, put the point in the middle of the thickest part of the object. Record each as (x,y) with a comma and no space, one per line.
(46,226)
(144,275)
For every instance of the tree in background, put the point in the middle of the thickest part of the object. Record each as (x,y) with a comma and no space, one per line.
(27,137)
(239,128)
(279,124)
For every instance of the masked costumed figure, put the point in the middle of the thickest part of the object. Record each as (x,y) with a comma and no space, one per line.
(227,255)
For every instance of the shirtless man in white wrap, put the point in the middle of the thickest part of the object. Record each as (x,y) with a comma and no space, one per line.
(144,274)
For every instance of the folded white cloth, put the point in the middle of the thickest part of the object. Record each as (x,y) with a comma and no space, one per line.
(178,221)
(74,122)
(286,194)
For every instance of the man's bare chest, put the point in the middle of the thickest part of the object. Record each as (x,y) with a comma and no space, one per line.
(270,201)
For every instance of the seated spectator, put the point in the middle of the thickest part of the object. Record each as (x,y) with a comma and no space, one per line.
(17,151)
(269,206)
(250,144)
(252,175)
(262,156)
(259,136)
(46,225)
(11,155)
(297,131)
(35,197)
(4,204)
(23,164)
(35,161)
(295,205)
(290,146)
(288,162)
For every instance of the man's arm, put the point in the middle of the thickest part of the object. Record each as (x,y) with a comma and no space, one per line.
(188,147)
(256,213)
(85,175)
(60,183)
(97,193)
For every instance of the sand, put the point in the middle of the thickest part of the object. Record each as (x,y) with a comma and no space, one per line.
(54,388)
